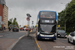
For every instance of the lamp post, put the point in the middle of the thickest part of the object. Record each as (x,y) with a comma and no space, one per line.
(65,15)
(32,23)
(15,22)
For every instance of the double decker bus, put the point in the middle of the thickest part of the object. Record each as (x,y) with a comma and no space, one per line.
(47,23)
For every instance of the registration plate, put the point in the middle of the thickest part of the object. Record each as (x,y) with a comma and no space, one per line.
(14,29)
(58,35)
(47,21)
(62,35)
(47,38)
(46,35)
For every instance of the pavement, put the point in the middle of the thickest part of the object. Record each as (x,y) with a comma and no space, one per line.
(5,43)
(9,39)
(26,43)
(4,31)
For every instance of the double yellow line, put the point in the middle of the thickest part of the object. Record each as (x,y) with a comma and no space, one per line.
(37,44)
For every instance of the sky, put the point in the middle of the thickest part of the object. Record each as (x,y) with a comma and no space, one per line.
(19,8)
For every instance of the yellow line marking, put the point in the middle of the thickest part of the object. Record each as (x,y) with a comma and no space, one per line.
(37,44)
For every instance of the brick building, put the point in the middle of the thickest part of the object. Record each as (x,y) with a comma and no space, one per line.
(3,14)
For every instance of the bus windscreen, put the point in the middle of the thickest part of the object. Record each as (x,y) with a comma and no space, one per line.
(47,15)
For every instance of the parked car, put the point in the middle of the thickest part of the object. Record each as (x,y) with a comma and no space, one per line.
(28,29)
(71,38)
(21,28)
(61,33)
(15,29)
(24,28)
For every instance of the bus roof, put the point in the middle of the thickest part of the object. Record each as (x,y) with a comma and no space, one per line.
(47,11)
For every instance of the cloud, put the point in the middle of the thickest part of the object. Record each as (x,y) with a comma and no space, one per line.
(19,8)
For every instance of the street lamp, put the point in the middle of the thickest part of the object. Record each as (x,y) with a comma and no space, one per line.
(65,15)
(32,23)
(15,21)
(28,15)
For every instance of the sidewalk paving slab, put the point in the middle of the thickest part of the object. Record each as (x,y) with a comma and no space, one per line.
(5,43)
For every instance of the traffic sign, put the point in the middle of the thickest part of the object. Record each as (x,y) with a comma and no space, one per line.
(28,18)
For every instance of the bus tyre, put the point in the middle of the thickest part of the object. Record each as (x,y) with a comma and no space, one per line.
(52,39)
(68,40)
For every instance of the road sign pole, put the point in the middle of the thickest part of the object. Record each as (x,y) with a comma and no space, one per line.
(28,26)
(28,19)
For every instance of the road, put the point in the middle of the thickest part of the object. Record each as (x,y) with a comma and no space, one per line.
(59,44)
(30,43)
(13,35)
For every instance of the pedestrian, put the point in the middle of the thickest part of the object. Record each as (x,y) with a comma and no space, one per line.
(9,28)
(4,28)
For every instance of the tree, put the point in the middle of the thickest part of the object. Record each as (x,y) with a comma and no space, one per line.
(9,23)
(11,19)
(61,18)
(68,16)
(15,22)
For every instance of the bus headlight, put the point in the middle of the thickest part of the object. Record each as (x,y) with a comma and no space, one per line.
(41,35)
(38,33)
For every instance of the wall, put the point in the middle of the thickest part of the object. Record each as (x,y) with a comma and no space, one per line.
(5,16)
(1,13)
